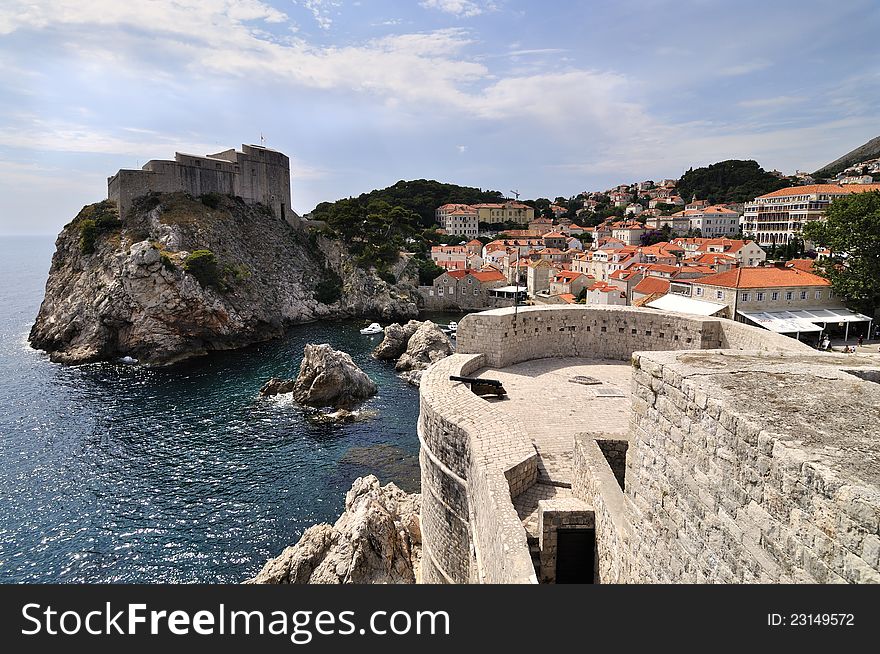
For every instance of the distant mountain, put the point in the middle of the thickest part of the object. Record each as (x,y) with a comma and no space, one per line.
(870,150)
(729,181)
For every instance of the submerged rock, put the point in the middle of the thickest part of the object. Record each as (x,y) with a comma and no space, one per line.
(396,340)
(377,540)
(330,378)
(341,416)
(277,386)
(426,346)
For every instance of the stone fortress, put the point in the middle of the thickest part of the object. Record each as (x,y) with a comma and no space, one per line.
(636,446)
(256,174)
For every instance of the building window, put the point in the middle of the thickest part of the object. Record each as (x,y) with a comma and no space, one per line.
(699,291)
(746,297)
(774,296)
(440,292)
(759,297)
(719,295)
(818,295)
(789,295)
(803,295)
(476,291)
(830,295)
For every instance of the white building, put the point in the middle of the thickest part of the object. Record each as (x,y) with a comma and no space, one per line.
(775,218)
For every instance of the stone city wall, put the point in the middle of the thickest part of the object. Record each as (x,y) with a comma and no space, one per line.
(753,463)
(742,468)
(508,337)
(473,460)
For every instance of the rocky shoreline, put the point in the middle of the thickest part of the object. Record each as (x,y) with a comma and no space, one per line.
(178,277)
(376,540)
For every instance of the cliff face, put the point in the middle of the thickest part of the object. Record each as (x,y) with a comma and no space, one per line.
(377,540)
(134,288)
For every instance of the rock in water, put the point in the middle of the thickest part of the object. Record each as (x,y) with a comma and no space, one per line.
(396,340)
(132,285)
(331,378)
(377,540)
(277,386)
(427,346)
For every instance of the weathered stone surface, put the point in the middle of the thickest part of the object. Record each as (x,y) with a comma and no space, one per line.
(277,386)
(748,458)
(396,340)
(412,377)
(330,378)
(426,346)
(341,416)
(377,540)
(132,297)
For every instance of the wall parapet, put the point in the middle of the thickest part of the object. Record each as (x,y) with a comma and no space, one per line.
(508,336)
(487,458)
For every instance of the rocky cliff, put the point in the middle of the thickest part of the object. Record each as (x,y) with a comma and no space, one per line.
(377,540)
(179,277)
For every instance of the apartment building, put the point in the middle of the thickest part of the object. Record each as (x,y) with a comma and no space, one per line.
(776,218)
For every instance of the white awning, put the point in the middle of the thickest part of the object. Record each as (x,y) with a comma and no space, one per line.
(819,316)
(781,324)
(683,304)
(788,322)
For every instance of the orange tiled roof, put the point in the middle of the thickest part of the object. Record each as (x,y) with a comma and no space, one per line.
(830,189)
(766,277)
(568,298)
(651,285)
(488,276)
(801,264)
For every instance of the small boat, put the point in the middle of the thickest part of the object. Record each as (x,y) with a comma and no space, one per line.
(451,328)
(374,328)
(128,360)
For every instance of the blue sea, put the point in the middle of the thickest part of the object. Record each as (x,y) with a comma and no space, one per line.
(118,473)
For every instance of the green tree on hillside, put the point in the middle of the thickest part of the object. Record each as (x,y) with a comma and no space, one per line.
(728,181)
(852,232)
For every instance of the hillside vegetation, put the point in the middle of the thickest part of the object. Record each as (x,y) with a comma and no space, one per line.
(380,224)
(419,196)
(734,180)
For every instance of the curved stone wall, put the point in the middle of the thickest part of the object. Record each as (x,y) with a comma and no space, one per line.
(506,336)
(475,459)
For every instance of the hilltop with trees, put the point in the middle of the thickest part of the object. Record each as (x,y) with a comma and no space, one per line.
(380,224)
(729,181)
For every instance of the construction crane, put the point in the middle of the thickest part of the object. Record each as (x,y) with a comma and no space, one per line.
(516,193)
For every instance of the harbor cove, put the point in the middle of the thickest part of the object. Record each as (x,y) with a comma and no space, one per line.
(124,473)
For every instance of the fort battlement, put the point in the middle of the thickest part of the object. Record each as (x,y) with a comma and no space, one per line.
(256,174)
(703,451)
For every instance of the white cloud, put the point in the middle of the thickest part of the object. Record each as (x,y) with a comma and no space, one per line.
(321,10)
(461,149)
(460,8)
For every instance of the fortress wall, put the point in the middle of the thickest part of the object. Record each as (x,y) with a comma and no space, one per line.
(508,337)
(255,174)
(719,485)
(474,459)
(724,484)
(595,483)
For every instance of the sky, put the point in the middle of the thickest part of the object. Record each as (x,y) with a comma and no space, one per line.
(544,98)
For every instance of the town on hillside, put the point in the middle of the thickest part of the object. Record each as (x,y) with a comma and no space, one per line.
(645,245)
